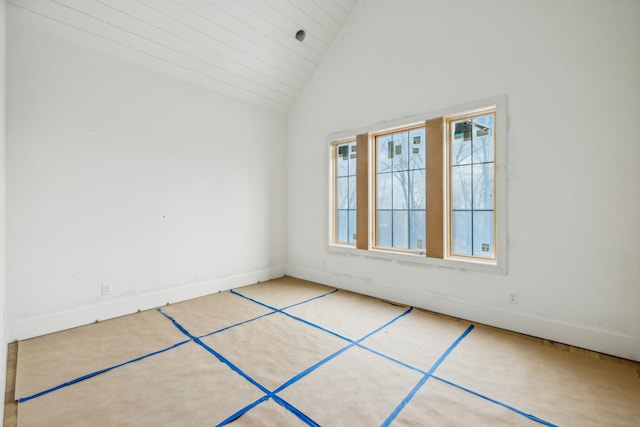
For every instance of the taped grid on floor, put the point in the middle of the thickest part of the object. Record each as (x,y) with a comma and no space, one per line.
(273,394)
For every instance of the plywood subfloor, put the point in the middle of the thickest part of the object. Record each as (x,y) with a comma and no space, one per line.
(290,352)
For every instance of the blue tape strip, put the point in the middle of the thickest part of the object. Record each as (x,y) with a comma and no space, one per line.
(275,310)
(424,379)
(254,300)
(332,332)
(337,353)
(298,413)
(217,355)
(236,369)
(302,416)
(399,362)
(101,371)
(176,324)
(278,310)
(283,308)
(236,324)
(242,411)
(309,300)
(278,399)
(497,402)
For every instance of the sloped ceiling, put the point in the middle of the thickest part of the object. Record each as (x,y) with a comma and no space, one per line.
(243,48)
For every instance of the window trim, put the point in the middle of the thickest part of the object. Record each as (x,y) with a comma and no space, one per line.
(333,193)
(449,188)
(374,189)
(497,266)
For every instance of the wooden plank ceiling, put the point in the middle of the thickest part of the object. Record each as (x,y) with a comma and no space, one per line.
(243,48)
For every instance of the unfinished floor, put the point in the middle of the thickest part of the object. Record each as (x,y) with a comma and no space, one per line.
(290,352)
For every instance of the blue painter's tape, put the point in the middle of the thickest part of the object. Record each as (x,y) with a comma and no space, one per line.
(497,402)
(298,413)
(395,319)
(284,308)
(335,334)
(254,300)
(236,324)
(278,310)
(315,325)
(233,367)
(218,356)
(435,377)
(424,379)
(312,368)
(101,371)
(295,411)
(275,310)
(337,353)
(399,362)
(309,300)
(242,411)
(176,324)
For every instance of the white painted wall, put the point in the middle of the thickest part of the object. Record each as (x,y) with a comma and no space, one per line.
(571,74)
(119,174)
(3,210)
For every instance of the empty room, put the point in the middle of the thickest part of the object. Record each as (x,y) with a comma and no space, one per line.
(320,212)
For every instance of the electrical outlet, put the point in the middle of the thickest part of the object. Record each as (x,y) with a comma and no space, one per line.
(106,288)
(513,297)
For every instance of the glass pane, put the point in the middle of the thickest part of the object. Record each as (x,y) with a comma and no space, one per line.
(460,143)
(401,151)
(417,149)
(352,158)
(384,190)
(342,200)
(352,226)
(343,227)
(483,186)
(483,141)
(400,190)
(461,233)
(385,153)
(384,228)
(483,234)
(342,160)
(417,192)
(352,192)
(400,229)
(461,187)
(417,230)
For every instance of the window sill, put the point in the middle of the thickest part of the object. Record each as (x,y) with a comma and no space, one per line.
(410,258)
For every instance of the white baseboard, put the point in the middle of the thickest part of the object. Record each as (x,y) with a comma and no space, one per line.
(608,342)
(54,322)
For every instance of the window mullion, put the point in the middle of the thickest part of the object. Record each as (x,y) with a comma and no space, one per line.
(362,191)
(434,131)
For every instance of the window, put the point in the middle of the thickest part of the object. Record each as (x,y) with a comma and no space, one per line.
(344,160)
(400,189)
(472,185)
(434,188)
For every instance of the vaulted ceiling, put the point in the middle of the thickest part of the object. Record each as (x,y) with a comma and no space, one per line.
(243,48)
